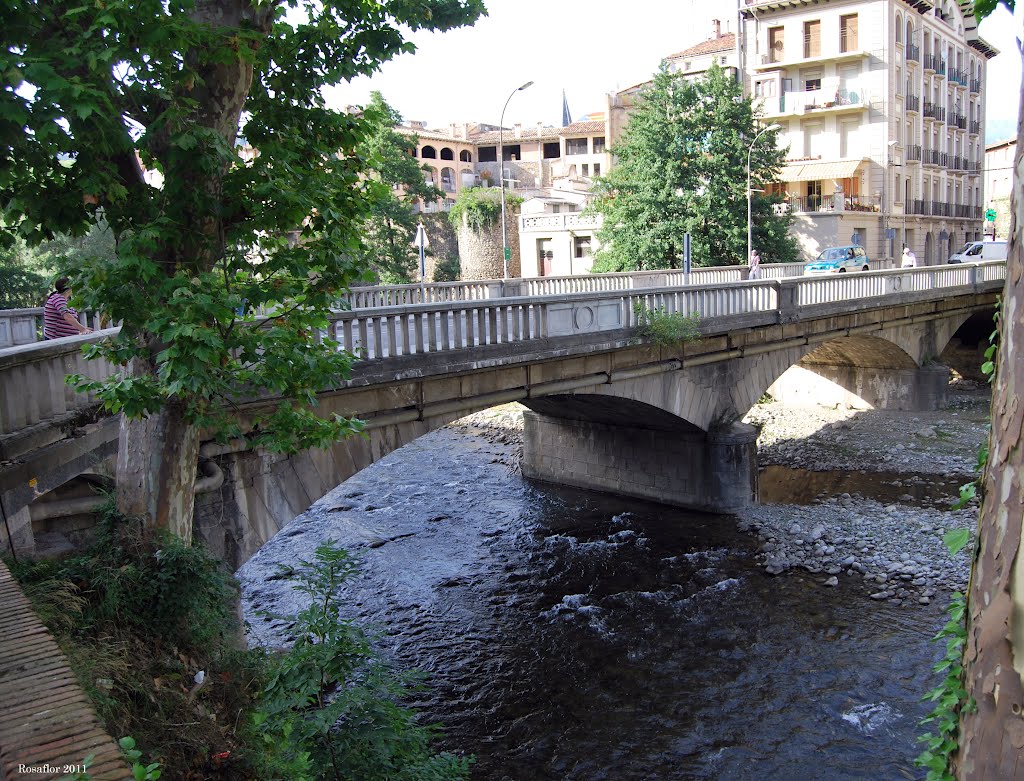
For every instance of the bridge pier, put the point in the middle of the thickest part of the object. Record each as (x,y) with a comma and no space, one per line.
(858,387)
(713,471)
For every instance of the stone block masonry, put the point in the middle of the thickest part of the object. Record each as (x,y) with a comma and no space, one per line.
(714,472)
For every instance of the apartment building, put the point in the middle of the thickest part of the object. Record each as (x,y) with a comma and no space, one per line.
(999,158)
(881,104)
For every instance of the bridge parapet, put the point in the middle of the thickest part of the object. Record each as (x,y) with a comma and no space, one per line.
(32,386)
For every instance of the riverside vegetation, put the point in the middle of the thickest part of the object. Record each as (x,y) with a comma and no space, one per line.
(150,627)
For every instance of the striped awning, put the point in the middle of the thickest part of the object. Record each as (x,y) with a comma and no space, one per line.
(812,171)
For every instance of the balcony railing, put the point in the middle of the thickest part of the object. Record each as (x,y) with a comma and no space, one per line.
(913,53)
(917,207)
(847,41)
(913,102)
(975,86)
(963,211)
(933,111)
(959,120)
(830,203)
(940,209)
(975,127)
(933,62)
(914,152)
(931,156)
(958,76)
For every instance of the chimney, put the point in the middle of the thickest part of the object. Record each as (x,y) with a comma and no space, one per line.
(518,128)
(451,130)
(716,29)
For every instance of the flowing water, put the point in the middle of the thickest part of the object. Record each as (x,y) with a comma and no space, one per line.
(573,635)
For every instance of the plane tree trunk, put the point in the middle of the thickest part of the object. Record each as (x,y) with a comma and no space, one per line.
(992,737)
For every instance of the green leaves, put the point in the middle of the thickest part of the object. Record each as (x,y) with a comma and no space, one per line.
(956,540)
(682,168)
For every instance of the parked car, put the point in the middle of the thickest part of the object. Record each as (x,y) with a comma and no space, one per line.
(837,260)
(974,251)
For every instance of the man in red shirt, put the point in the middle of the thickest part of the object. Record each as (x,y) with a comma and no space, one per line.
(59,319)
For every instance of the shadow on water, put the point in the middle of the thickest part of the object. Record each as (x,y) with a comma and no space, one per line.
(571,635)
(785,485)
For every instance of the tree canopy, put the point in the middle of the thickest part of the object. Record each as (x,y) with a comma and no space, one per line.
(390,226)
(199,130)
(682,168)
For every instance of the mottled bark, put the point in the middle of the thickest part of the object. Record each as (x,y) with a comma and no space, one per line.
(156,469)
(992,738)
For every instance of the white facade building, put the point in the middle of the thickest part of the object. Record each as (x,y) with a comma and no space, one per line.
(881,105)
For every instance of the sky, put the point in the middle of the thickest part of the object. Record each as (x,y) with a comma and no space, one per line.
(588,50)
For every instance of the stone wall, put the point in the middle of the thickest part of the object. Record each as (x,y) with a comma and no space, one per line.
(480,251)
(444,241)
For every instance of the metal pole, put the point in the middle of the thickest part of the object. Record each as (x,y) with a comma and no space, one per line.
(750,151)
(501,180)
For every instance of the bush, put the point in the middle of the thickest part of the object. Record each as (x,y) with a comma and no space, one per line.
(666,329)
(332,710)
(481,206)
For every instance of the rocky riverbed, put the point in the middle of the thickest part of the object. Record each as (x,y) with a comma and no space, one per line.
(890,549)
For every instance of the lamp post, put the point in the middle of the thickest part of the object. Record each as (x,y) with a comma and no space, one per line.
(750,150)
(505,252)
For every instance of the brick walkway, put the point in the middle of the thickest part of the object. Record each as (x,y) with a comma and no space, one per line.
(47,724)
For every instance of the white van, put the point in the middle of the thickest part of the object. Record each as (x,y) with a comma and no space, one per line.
(974,251)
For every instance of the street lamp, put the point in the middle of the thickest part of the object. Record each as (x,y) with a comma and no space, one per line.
(505,252)
(750,150)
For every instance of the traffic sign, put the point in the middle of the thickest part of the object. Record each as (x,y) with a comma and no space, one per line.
(508,253)
(990,215)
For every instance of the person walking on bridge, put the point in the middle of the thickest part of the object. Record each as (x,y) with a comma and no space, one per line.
(909,259)
(754,265)
(59,319)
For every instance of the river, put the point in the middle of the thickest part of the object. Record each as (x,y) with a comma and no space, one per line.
(573,635)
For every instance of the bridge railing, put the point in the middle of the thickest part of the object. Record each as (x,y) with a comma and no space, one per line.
(32,387)
(24,326)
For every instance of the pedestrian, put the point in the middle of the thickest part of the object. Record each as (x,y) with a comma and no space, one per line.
(754,266)
(909,259)
(59,319)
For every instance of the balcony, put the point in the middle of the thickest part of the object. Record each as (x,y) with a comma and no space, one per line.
(913,153)
(913,53)
(958,120)
(958,77)
(975,86)
(771,61)
(559,222)
(974,127)
(917,207)
(934,111)
(913,103)
(830,99)
(935,64)
(829,203)
(940,209)
(931,157)
(965,212)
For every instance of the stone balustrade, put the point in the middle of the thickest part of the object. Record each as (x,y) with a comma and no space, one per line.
(32,387)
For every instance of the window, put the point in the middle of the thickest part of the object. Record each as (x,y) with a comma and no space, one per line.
(765,88)
(813,196)
(575,146)
(488,154)
(899,28)
(597,169)
(812,38)
(551,150)
(447,154)
(848,33)
(776,44)
(813,139)
(812,83)
(429,152)
(847,136)
(581,246)
(723,60)
(465,156)
(556,208)
(585,169)
(598,145)
(511,152)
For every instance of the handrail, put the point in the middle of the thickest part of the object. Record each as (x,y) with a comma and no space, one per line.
(32,387)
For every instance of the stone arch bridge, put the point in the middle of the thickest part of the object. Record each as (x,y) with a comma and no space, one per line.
(607,410)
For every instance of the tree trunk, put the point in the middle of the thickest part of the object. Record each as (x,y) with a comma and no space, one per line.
(157,459)
(992,738)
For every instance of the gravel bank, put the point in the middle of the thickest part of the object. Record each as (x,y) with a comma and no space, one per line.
(887,550)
